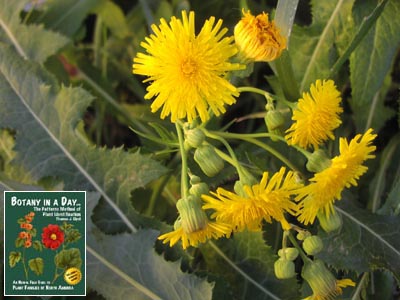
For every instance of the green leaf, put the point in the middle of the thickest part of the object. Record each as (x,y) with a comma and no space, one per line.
(48,143)
(36,265)
(72,235)
(372,59)
(133,269)
(14,258)
(31,41)
(252,260)
(68,258)
(67,16)
(19,242)
(365,242)
(313,47)
(113,17)
(37,245)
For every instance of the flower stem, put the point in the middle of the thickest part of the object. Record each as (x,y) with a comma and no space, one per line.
(184,170)
(303,256)
(251,138)
(23,263)
(234,161)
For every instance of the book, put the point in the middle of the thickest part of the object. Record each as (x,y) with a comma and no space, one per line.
(44,243)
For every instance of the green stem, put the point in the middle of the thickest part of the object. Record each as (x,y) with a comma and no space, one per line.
(294,242)
(23,263)
(251,89)
(235,161)
(184,172)
(250,138)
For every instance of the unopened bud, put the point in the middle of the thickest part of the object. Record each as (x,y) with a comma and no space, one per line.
(313,245)
(208,160)
(192,216)
(331,222)
(318,161)
(194,137)
(274,121)
(288,253)
(284,269)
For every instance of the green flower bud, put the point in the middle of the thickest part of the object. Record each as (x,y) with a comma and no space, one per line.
(208,160)
(330,223)
(313,245)
(318,161)
(194,137)
(192,216)
(284,269)
(199,189)
(274,120)
(302,235)
(289,254)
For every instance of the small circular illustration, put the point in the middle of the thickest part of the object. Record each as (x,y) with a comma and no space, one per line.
(72,276)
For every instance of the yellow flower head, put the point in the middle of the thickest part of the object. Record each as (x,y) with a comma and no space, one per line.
(344,171)
(258,39)
(322,282)
(212,230)
(186,72)
(316,116)
(264,201)
(193,226)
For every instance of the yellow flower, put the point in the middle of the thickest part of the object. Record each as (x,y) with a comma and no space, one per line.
(193,226)
(322,282)
(186,72)
(211,230)
(316,116)
(344,171)
(257,38)
(264,201)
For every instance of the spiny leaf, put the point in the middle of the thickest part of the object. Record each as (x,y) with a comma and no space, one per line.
(365,242)
(133,269)
(45,117)
(249,252)
(31,41)
(372,60)
(312,47)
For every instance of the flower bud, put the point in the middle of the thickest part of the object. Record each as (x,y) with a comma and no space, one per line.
(313,245)
(330,223)
(274,121)
(194,137)
(208,160)
(318,161)
(192,216)
(257,38)
(199,189)
(302,235)
(284,269)
(290,253)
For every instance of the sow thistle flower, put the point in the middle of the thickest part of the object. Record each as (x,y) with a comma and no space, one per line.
(316,116)
(345,169)
(193,226)
(257,38)
(268,200)
(187,71)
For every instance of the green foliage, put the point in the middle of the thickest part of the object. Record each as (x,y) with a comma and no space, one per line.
(134,269)
(13,258)
(315,48)
(371,62)
(36,265)
(73,117)
(365,242)
(31,41)
(68,258)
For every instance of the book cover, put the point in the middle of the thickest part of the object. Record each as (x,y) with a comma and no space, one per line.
(44,243)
